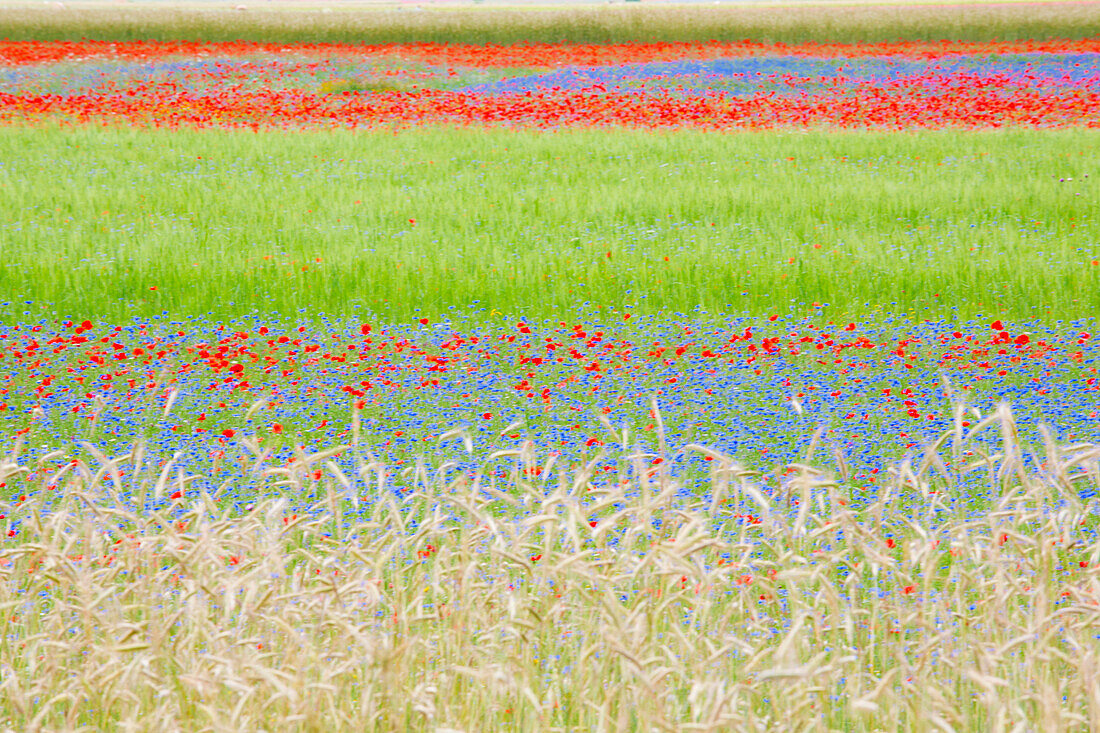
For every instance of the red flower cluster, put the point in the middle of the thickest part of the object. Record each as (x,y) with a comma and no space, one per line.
(222,96)
(536,55)
(968,103)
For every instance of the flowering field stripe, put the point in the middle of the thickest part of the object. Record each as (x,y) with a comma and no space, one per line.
(120,223)
(962,104)
(526,55)
(722,86)
(214,397)
(785,23)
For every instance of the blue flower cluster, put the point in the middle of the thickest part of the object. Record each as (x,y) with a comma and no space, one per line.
(793,75)
(756,389)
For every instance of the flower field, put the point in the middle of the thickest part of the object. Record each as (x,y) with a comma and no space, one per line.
(754,390)
(680,383)
(710,86)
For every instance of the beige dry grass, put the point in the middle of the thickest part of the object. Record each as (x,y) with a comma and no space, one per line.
(472,604)
(834,22)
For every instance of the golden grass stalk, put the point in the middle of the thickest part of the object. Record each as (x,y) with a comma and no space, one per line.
(826,22)
(534,606)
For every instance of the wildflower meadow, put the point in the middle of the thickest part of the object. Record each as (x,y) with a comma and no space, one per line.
(607,368)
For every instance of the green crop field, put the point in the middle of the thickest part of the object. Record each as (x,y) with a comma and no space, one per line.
(936,224)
